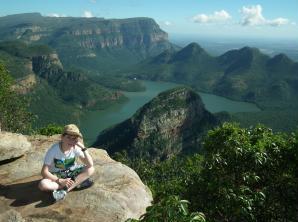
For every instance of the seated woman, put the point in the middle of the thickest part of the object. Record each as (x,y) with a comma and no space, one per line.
(60,171)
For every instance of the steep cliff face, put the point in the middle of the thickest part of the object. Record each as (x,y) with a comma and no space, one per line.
(131,33)
(169,124)
(75,39)
(73,87)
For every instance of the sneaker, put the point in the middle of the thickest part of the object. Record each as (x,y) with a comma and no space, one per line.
(85,184)
(59,194)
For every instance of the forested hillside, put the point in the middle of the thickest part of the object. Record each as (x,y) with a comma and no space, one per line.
(242,175)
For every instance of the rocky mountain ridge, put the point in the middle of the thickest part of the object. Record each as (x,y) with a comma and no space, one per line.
(171,123)
(241,74)
(74,39)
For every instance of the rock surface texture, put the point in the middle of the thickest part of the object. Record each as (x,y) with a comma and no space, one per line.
(117,194)
(13,145)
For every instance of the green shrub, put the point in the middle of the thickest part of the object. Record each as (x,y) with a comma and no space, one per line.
(50,130)
(170,209)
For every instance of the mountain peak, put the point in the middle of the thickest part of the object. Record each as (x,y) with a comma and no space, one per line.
(242,57)
(169,124)
(191,51)
(193,48)
(281,58)
(249,51)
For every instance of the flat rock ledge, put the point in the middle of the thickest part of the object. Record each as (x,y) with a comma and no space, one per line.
(117,194)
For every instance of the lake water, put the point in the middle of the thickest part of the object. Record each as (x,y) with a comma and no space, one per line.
(94,122)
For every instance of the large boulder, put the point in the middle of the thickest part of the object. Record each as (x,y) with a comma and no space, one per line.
(13,145)
(118,192)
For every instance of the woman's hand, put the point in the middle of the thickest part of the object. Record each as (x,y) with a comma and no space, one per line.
(79,144)
(68,182)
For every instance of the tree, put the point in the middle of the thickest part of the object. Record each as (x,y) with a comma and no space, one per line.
(170,209)
(248,175)
(14,115)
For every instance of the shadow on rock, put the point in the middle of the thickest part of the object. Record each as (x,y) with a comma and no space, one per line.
(26,193)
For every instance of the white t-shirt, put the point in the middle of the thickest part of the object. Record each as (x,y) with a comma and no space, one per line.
(57,160)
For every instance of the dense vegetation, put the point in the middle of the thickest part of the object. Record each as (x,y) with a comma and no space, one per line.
(14,115)
(243,74)
(58,96)
(280,120)
(242,175)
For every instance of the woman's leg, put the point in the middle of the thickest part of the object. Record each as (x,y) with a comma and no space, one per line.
(86,173)
(48,185)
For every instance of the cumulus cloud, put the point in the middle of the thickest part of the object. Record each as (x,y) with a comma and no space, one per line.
(87,14)
(252,16)
(217,16)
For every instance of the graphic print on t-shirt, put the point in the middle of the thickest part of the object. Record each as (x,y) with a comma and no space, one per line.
(64,164)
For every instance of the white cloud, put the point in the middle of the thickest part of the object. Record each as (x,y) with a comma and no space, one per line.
(252,16)
(56,15)
(217,16)
(167,23)
(278,22)
(87,14)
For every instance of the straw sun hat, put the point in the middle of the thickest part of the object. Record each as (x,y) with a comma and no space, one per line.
(72,129)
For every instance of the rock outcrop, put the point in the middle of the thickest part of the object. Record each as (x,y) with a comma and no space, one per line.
(13,145)
(118,192)
(26,84)
(73,87)
(171,123)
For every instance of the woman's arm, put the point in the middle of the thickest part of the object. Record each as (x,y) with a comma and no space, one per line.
(87,159)
(46,174)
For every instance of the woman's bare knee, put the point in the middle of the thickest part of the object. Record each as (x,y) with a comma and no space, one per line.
(46,185)
(42,185)
(90,170)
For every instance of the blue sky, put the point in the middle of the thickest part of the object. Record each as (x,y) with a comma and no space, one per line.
(214,18)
